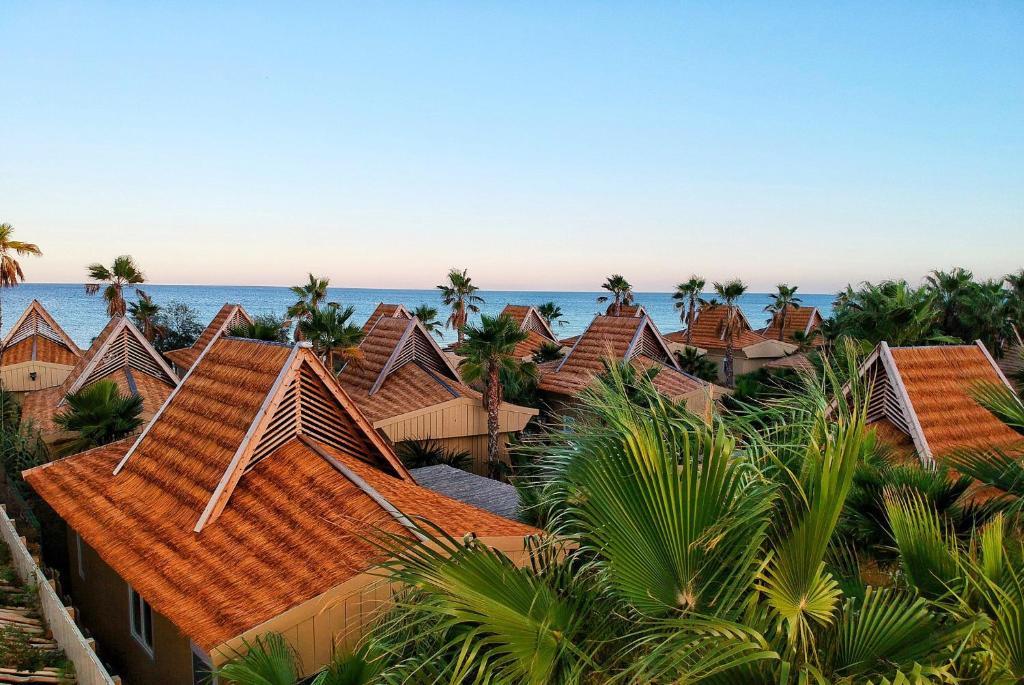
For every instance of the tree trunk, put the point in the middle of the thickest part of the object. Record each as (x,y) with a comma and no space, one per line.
(689,322)
(460,321)
(1,329)
(618,304)
(782,324)
(493,391)
(727,370)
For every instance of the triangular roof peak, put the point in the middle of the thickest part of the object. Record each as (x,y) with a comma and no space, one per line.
(386,311)
(227,317)
(626,337)
(414,345)
(530,319)
(240,402)
(119,345)
(35,320)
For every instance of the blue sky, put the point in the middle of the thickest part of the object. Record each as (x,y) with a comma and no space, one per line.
(541,145)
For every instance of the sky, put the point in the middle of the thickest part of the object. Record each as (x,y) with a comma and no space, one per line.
(541,145)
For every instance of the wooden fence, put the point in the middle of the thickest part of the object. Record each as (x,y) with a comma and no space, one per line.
(88,669)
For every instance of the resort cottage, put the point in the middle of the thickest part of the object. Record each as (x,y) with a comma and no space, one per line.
(626,339)
(921,403)
(120,353)
(229,316)
(751,350)
(411,391)
(37,353)
(534,325)
(246,506)
(803,326)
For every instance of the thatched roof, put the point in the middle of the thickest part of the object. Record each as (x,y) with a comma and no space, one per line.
(535,326)
(386,311)
(798,320)
(36,336)
(709,334)
(253,490)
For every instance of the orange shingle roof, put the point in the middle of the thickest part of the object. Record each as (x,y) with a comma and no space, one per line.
(293,523)
(617,337)
(402,370)
(229,315)
(798,320)
(385,311)
(939,381)
(535,326)
(36,336)
(709,331)
(626,310)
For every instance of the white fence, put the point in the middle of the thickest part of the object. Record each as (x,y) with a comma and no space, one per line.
(88,669)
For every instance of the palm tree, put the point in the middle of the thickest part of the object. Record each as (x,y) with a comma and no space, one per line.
(334,337)
(459,293)
(145,313)
(727,294)
(949,288)
(428,317)
(99,413)
(488,350)
(10,268)
(551,313)
(783,300)
(548,351)
(621,292)
(123,273)
(310,295)
(690,561)
(263,327)
(270,660)
(687,296)
(696,364)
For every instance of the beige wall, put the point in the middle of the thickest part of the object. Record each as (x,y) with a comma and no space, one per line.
(450,420)
(16,377)
(101,599)
(740,365)
(339,617)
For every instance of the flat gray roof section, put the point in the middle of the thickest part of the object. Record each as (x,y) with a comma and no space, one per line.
(496,497)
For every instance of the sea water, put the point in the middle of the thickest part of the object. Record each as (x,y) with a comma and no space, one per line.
(83,316)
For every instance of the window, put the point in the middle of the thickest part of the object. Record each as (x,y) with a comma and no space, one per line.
(202,667)
(141,620)
(78,552)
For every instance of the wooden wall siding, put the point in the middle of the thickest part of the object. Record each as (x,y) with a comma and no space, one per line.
(1012,365)
(338,618)
(458,418)
(535,323)
(420,350)
(649,346)
(126,350)
(238,318)
(17,377)
(307,407)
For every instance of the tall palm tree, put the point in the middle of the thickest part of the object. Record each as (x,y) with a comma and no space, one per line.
(552,313)
(428,317)
(687,296)
(310,295)
(783,299)
(728,294)
(621,293)
(488,350)
(123,273)
(949,288)
(10,268)
(459,293)
(334,337)
(145,313)
(99,414)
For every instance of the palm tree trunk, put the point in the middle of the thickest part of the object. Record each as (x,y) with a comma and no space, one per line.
(689,322)
(460,320)
(782,325)
(730,377)
(618,304)
(493,391)
(1,329)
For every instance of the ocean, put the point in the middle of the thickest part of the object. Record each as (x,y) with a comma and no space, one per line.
(83,316)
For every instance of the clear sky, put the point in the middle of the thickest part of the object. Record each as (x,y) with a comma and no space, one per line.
(542,145)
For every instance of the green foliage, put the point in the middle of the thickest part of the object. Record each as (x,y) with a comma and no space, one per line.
(428,317)
(552,313)
(99,414)
(417,453)
(177,326)
(783,299)
(122,274)
(459,293)
(333,335)
(145,314)
(697,364)
(547,352)
(621,293)
(263,327)
(310,296)
(267,660)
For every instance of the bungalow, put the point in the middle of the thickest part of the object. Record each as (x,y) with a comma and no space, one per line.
(633,339)
(386,311)
(248,505)
(120,353)
(410,390)
(751,350)
(534,325)
(920,400)
(229,316)
(802,325)
(37,353)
